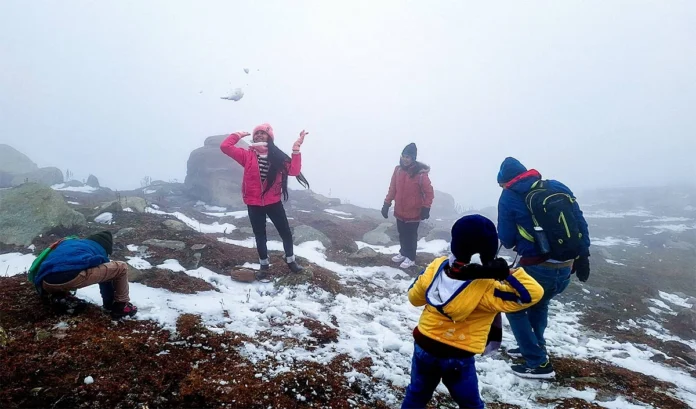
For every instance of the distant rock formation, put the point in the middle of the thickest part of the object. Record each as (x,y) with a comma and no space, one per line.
(16,168)
(212,176)
(93,181)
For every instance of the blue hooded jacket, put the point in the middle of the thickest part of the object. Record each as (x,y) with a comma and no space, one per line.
(71,255)
(515,220)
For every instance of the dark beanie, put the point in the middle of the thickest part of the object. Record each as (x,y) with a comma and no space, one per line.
(474,234)
(510,169)
(104,239)
(410,150)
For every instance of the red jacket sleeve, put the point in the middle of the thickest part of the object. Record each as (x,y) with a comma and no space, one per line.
(391,194)
(428,192)
(295,166)
(228,148)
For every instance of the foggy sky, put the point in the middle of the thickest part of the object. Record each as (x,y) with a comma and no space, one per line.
(592,93)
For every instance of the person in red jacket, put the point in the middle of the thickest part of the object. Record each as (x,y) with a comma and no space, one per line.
(265,187)
(413,193)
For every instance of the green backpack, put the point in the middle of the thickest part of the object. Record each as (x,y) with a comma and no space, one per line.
(36,265)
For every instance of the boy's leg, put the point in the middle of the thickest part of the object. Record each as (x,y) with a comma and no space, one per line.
(425,376)
(113,271)
(107,293)
(459,376)
(412,240)
(257,218)
(276,212)
(539,313)
(402,233)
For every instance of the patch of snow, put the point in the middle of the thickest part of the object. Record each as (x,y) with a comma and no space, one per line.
(31,247)
(149,191)
(304,211)
(132,247)
(171,264)
(614,241)
(104,218)
(602,214)
(139,263)
(337,212)
(616,263)
(689,208)
(674,299)
(196,225)
(210,208)
(73,203)
(12,264)
(663,228)
(128,209)
(82,189)
(154,206)
(661,304)
(236,214)
(436,247)
(666,219)
(89,380)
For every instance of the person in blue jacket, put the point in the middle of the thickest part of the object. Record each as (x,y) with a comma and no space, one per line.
(78,263)
(515,230)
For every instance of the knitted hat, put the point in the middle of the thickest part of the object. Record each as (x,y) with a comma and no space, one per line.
(510,169)
(104,239)
(474,234)
(410,150)
(265,128)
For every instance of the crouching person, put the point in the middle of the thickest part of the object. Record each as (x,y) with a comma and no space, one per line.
(76,263)
(461,301)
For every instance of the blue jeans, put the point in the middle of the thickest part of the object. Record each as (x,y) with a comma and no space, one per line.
(529,325)
(458,375)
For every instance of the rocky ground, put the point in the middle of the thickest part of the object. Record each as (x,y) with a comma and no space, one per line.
(336,336)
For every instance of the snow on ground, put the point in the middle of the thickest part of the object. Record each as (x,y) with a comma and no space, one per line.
(73,203)
(436,247)
(128,209)
(15,263)
(195,224)
(139,263)
(237,214)
(674,228)
(149,191)
(83,189)
(615,241)
(373,325)
(337,212)
(675,299)
(603,214)
(667,219)
(104,218)
(614,262)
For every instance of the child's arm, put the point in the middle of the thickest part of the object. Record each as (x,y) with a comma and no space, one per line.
(295,166)
(517,292)
(391,193)
(228,147)
(417,290)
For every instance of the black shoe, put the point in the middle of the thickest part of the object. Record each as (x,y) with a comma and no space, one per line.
(265,267)
(123,309)
(295,268)
(66,303)
(543,371)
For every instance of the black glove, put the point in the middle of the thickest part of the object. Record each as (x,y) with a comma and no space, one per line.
(425,213)
(385,211)
(581,268)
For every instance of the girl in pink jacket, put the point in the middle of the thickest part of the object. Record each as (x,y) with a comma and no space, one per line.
(265,187)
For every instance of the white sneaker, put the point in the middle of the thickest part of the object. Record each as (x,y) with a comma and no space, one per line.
(398,258)
(407,263)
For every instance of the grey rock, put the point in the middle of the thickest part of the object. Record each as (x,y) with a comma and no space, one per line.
(44,176)
(378,236)
(175,225)
(444,206)
(15,162)
(305,233)
(246,230)
(300,278)
(439,233)
(605,396)
(93,181)
(167,244)
(32,209)
(111,207)
(196,260)
(424,229)
(212,176)
(198,247)
(137,204)
(365,253)
(135,275)
(125,232)
(659,358)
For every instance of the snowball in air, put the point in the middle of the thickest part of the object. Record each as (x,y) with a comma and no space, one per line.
(234,95)
(89,380)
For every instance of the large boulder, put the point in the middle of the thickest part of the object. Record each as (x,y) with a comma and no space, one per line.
(93,181)
(32,209)
(15,162)
(135,203)
(166,244)
(444,206)
(305,233)
(45,176)
(378,236)
(212,176)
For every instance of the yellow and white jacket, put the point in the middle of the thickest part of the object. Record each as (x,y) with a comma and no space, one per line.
(460,313)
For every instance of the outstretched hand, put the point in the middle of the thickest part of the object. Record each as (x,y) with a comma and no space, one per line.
(243,134)
(300,141)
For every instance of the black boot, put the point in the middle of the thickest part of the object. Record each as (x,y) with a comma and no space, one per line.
(294,267)
(262,274)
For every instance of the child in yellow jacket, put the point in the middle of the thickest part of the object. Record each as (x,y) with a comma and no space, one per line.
(461,301)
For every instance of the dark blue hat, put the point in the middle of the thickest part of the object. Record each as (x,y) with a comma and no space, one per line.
(510,169)
(474,234)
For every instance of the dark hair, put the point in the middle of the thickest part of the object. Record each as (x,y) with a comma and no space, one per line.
(278,162)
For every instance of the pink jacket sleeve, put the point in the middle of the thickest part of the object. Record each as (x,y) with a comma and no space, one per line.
(428,192)
(295,166)
(228,148)
(391,194)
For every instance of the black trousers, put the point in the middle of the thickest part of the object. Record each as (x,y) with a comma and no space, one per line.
(408,238)
(275,212)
